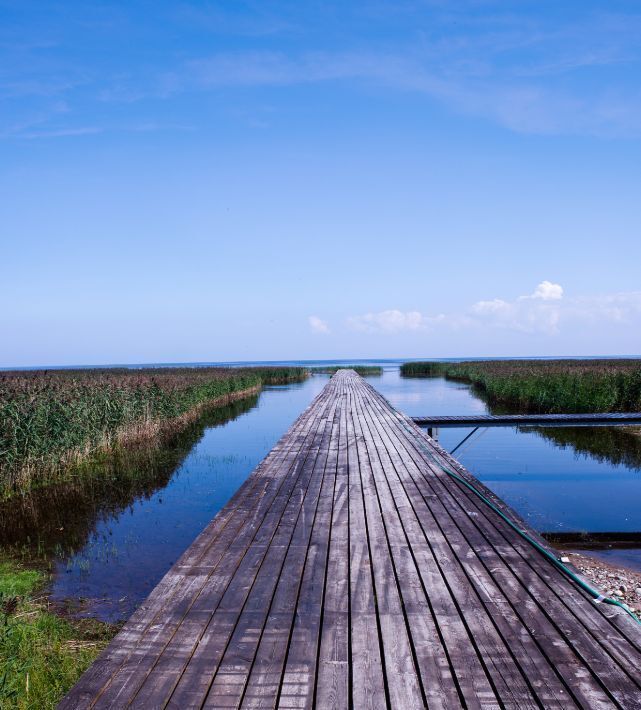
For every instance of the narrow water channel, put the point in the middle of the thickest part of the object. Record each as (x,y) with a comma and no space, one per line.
(113,536)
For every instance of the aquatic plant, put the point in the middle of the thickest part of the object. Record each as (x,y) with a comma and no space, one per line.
(51,420)
(546,386)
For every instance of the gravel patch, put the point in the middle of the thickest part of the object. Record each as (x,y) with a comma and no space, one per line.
(613,581)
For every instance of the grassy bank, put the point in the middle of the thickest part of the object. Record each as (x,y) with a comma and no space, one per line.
(42,654)
(363,370)
(546,386)
(53,421)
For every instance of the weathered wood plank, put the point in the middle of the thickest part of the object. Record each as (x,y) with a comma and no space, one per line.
(299,676)
(332,679)
(369,687)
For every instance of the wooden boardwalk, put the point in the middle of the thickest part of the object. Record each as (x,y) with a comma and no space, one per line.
(351,571)
(483,420)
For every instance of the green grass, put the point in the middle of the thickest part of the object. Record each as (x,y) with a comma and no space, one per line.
(546,386)
(53,420)
(41,653)
(363,370)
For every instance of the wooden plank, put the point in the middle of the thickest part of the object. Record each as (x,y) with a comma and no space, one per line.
(369,688)
(351,571)
(332,688)
(299,675)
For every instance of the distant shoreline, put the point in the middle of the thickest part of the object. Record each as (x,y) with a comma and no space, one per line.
(310,362)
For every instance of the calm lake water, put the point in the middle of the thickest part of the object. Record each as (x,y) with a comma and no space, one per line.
(112,539)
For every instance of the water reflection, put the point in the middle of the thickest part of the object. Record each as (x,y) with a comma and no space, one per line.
(61,518)
(620,446)
(559,479)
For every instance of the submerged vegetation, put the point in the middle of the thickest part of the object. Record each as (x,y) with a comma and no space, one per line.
(546,386)
(52,422)
(363,370)
(42,654)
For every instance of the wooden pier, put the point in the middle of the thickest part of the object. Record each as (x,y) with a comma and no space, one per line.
(351,571)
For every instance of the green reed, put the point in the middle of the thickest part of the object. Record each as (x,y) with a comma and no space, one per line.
(52,419)
(546,386)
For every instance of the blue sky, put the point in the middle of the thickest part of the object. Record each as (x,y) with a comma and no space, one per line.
(266,180)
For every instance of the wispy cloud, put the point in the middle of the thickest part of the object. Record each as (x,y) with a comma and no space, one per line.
(570,73)
(62,132)
(389,321)
(37,87)
(34,129)
(318,325)
(522,103)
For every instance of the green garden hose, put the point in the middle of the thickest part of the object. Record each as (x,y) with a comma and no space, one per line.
(598,597)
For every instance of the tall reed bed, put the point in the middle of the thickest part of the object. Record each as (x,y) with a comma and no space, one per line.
(59,518)
(546,386)
(53,419)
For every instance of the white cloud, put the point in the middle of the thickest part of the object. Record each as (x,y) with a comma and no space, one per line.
(538,312)
(390,321)
(495,306)
(616,307)
(318,325)
(544,311)
(547,291)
